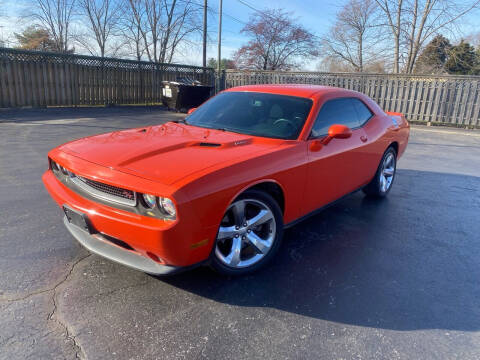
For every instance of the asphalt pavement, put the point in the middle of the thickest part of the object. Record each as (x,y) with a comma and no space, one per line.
(365,279)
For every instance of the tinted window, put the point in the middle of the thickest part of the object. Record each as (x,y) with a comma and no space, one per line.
(259,114)
(338,111)
(364,113)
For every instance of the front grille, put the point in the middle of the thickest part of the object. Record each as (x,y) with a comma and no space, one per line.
(109,189)
(104,191)
(108,193)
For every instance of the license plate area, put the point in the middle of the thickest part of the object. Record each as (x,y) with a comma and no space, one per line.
(77,218)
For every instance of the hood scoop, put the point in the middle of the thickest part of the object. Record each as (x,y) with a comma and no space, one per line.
(225,145)
(209,144)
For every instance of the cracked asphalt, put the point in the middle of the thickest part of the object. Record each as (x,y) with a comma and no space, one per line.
(365,279)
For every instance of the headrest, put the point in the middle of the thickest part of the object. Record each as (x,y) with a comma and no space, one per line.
(276,112)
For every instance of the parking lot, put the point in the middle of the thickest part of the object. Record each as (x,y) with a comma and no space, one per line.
(364,279)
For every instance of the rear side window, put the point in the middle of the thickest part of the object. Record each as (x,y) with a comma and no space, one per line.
(364,113)
(337,111)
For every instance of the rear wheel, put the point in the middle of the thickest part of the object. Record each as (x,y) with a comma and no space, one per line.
(249,234)
(383,180)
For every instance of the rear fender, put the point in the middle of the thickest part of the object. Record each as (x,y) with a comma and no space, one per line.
(401,130)
(399,118)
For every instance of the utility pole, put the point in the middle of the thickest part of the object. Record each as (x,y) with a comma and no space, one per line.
(205,33)
(219,58)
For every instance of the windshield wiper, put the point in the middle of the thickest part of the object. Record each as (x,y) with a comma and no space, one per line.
(203,126)
(182,121)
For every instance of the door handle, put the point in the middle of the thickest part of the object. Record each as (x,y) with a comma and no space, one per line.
(363,138)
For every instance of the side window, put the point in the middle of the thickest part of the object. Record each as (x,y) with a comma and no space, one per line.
(337,111)
(364,113)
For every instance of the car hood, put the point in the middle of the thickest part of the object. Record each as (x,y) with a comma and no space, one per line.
(167,153)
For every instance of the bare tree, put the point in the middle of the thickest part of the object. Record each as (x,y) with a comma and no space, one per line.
(3,41)
(134,40)
(163,25)
(57,17)
(393,11)
(332,65)
(412,23)
(103,17)
(131,33)
(277,42)
(428,18)
(353,37)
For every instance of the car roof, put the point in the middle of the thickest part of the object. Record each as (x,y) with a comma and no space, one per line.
(301,90)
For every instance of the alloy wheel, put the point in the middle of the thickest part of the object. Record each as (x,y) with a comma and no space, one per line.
(246,234)
(387,172)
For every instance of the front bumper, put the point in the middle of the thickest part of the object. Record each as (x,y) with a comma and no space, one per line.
(98,244)
(175,245)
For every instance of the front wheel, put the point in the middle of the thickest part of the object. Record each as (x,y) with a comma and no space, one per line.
(383,179)
(249,234)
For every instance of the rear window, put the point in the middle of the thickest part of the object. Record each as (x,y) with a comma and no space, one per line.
(364,113)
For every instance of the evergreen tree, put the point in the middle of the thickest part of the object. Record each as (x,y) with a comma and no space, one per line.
(476,69)
(462,59)
(433,57)
(35,38)
(224,63)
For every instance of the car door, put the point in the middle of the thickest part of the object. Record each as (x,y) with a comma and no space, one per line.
(374,127)
(337,168)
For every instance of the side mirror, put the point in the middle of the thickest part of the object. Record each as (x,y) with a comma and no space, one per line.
(191,110)
(337,132)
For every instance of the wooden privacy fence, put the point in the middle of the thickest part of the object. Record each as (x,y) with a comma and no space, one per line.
(425,98)
(38,79)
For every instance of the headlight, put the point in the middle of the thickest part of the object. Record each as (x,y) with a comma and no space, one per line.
(54,165)
(167,206)
(64,171)
(150,200)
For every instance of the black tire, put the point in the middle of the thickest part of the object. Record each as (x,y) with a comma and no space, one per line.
(374,188)
(252,195)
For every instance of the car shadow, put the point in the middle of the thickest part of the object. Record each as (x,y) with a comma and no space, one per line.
(406,262)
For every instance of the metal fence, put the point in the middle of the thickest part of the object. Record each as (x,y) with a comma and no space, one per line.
(423,98)
(38,79)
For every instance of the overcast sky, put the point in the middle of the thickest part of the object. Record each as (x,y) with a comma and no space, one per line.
(315,15)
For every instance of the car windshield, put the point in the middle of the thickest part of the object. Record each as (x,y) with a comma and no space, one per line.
(253,113)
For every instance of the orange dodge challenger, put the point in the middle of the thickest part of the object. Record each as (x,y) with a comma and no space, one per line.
(220,187)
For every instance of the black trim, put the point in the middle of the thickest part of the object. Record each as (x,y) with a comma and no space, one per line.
(320,209)
(118,242)
(206,144)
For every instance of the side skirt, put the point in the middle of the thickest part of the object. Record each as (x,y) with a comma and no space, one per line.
(320,209)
